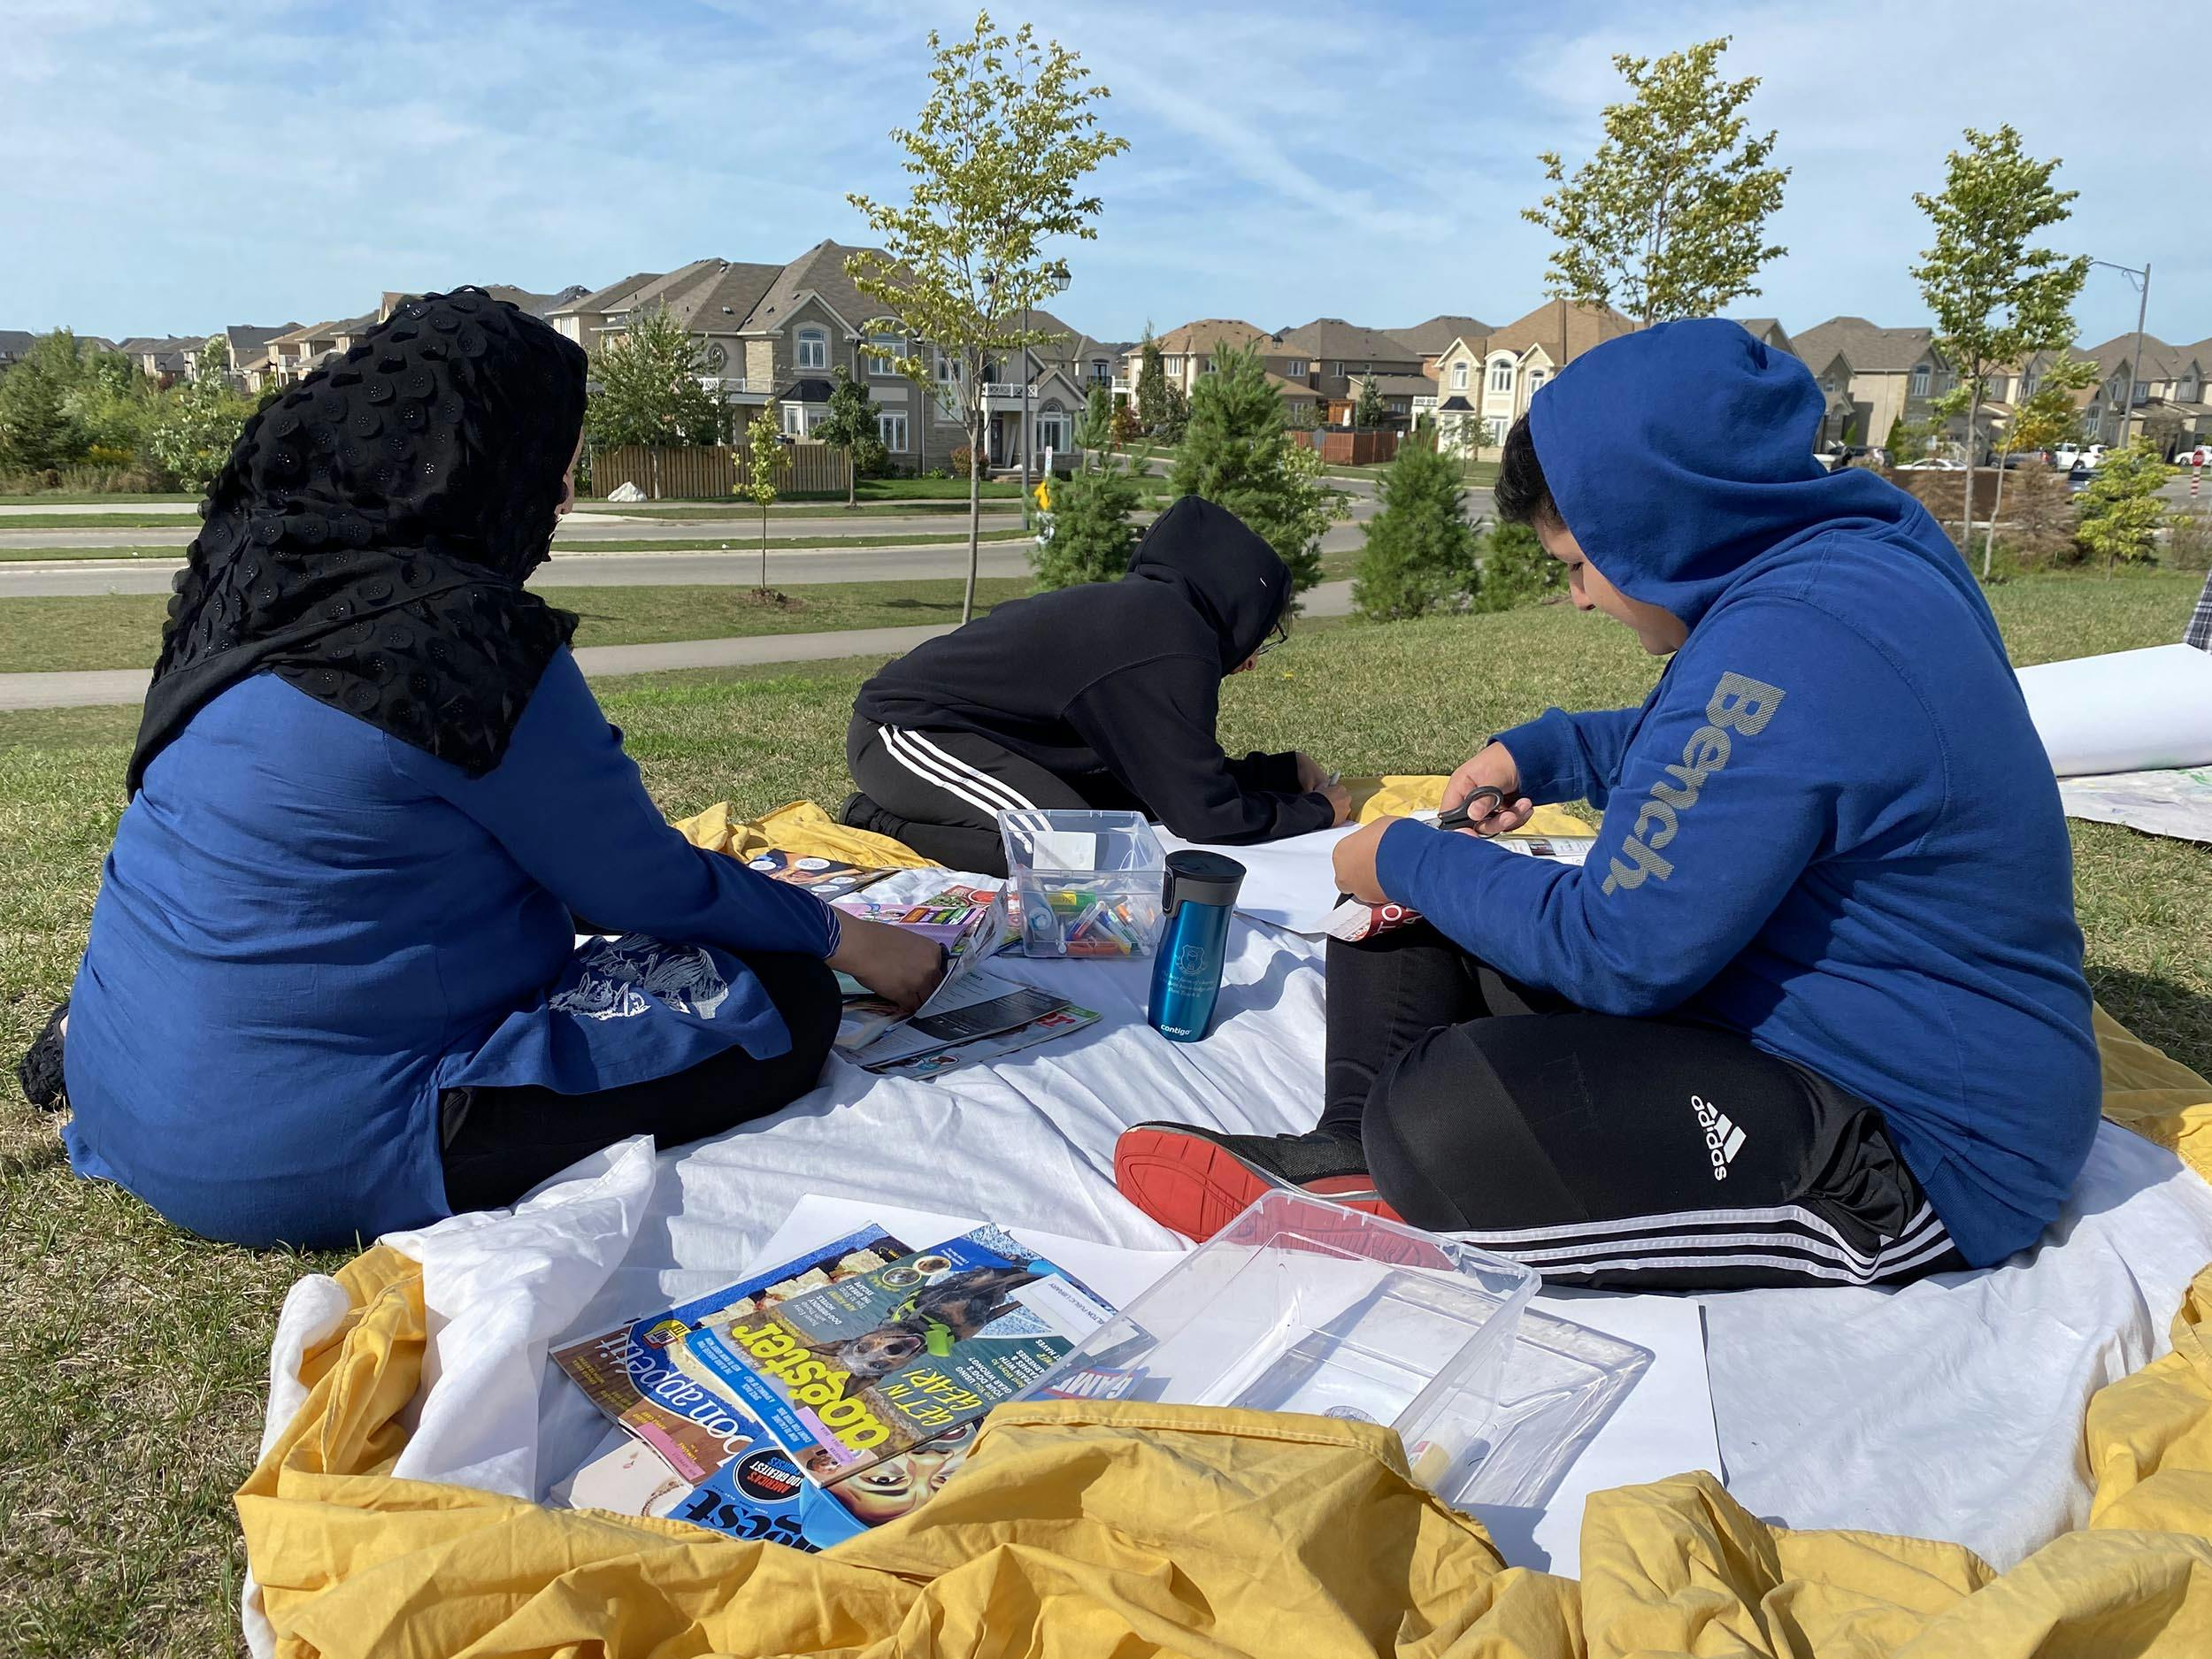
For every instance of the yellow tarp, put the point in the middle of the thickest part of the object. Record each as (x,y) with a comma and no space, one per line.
(1129,1530)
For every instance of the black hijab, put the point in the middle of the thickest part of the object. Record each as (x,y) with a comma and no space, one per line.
(369,536)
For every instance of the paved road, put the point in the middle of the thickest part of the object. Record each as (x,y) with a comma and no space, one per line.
(111,686)
(576,567)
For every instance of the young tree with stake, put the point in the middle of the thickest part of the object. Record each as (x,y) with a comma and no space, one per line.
(997,154)
(1996,300)
(851,427)
(764,452)
(1667,219)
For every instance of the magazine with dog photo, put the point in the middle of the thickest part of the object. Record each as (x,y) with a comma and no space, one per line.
(854,1376)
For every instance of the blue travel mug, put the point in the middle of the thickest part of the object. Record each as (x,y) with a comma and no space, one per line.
(1197,897)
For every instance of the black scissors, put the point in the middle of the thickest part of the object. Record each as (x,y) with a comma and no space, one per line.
(1458,817)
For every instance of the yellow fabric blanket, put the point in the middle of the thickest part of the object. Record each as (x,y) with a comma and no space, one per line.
(1128,1530)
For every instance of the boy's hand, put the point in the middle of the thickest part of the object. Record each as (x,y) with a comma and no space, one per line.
(1313,780)
(1492,767)
(901,967)
(1355,862)
(1313,777)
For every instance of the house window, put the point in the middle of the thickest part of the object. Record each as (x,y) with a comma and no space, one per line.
(948,370)
(892,429)
(1459,375)
(813,349)
(883,351)
(1535,382)
(1052,426)
(1100,371)
(1337,370)
(1501,375)
(794,420)
(2027,386)
(1920,380)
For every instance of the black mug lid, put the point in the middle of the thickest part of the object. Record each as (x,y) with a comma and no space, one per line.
(1201,878)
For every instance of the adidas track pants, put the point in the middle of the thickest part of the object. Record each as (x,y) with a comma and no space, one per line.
(941,792)
(1636,1154)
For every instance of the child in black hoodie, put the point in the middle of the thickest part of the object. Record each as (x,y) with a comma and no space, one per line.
(1102,695)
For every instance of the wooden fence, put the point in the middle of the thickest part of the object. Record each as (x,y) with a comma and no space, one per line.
(713,472)
(1342,447)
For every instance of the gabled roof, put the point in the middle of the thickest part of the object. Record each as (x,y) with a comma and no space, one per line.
(613,297)
(1208,332)
(1768,330)
(1294,391)
(251,337)
(820,270)
(720,303)
(1435,336)
(1869,349)
(15,342)
(1331,337)
(2160,361)
(1399,385)
(1565,332)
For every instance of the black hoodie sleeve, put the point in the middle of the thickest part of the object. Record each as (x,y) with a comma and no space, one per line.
(1153,725)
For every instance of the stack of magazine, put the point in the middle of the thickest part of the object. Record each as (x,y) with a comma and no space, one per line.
(825,1395)
(971,1015)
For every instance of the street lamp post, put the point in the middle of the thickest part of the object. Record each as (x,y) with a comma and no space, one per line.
(2142,309)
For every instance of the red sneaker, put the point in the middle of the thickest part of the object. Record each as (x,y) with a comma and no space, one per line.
(1197,1180)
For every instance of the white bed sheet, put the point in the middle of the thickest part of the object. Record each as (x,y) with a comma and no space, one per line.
(1951,1409)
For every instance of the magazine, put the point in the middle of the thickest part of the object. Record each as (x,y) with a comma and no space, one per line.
(1354,920)
(929,1342)
(854,1375)
(972,1015)
(824,877)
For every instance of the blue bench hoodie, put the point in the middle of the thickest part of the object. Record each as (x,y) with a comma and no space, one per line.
(1831,826)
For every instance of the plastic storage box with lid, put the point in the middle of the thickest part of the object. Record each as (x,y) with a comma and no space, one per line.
(1301,1305)
(1082,882)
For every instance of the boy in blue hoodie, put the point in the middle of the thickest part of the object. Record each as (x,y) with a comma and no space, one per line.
(1813,1012)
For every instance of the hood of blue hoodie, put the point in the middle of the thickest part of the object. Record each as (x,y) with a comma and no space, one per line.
(1681,459)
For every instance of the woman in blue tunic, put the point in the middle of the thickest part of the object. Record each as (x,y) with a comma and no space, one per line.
(332,986)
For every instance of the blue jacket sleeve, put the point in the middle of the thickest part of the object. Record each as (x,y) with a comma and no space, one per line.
(1563,757)
(1727,796)
(568,805)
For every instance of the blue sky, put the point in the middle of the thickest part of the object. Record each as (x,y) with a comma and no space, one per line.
(173,167)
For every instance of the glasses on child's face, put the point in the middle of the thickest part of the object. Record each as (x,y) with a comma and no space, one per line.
(1281,635)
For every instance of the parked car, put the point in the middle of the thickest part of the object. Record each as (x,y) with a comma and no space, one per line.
(2072,454)
(2016,459)
(1939,465)
(2077,477)
(1832,454)
(2197,454)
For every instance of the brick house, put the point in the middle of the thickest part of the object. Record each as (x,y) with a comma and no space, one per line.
(1491,379)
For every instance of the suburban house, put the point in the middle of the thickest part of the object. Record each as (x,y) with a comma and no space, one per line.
(1886,374)
(1187,353)
(249,353)
(2163,401)
(522,299)
(778,333)
(165,357)
(1483,386)
(296,352)
(1335,352)
(1406,396)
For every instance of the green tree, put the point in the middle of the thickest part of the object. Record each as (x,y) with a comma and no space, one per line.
(1152,386)
(2120,514)
(1126,428)
(1668,219)
(190,435)
(1996,299)
(1900,438)
(649,386)
(851,427)
(1517,570)
(1174,414)
(1091,535)
(37,429)
(2048,416)
(764,454)
(1420,551)
(1237,454)
(998,157)
(1371,411)
(215,356)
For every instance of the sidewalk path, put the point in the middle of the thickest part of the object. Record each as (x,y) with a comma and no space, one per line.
(92,687)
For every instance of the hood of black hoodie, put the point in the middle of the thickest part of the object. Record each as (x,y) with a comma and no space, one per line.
(1230,576)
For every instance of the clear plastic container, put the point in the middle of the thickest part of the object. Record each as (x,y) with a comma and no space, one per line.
(1562,1381)
(1301,1305)
(1081,882)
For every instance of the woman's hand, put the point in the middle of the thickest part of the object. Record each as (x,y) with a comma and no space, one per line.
(901,967)
(1355,862)
(1491,767)
(1313,780)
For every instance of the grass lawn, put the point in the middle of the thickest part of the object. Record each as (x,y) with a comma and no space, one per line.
(132,1357)
(123,630)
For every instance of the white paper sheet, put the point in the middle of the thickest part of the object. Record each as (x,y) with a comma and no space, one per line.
(1662,1426)
(2175,802)
(2124,711)
(1288,884)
